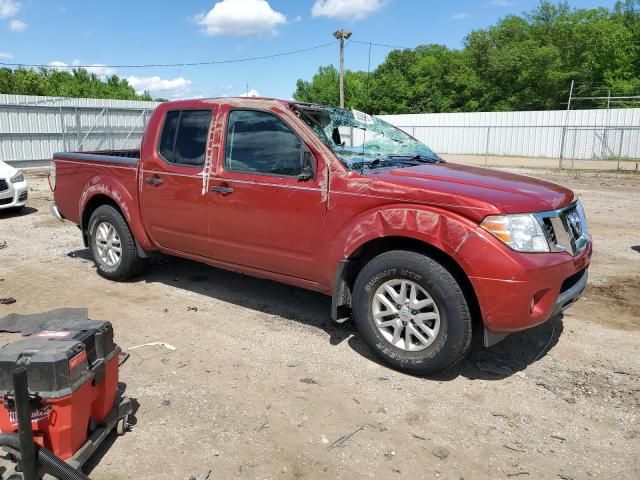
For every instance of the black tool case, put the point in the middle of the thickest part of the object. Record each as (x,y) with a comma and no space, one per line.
(88,332)
(56,367)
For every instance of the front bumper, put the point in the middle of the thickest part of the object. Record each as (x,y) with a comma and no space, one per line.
(16,195)
(570,292)
(516,291)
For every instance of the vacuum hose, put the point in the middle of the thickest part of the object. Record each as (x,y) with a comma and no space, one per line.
(52,464)
(25,434)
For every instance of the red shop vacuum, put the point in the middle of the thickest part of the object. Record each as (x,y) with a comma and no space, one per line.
(60,399)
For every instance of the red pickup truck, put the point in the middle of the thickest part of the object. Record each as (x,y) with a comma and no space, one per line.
(414,249)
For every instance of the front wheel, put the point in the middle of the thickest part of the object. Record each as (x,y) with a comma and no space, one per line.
(412,312)
(112,245)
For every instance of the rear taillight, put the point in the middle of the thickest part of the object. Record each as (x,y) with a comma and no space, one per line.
(52,175)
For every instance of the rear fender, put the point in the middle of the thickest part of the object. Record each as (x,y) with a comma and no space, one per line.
(110,187)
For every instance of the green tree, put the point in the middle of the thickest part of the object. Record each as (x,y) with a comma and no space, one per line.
(523,62)
(59,83)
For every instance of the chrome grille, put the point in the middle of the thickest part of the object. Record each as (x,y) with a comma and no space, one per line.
(3,185)
(548,231)
(565,229)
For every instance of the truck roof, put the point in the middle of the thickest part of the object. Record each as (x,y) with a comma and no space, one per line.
(235,101)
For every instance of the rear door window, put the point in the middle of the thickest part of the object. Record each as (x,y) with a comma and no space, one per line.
(168,138)
(184,137)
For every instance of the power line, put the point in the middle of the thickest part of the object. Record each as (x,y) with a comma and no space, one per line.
(386,45)
(190,64)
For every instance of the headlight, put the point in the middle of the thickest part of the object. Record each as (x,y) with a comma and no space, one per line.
(17,178)
(521,232)
(583,219)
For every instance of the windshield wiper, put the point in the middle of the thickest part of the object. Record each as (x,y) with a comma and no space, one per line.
(362,165)
(381,163)
(377,163)
(418,158)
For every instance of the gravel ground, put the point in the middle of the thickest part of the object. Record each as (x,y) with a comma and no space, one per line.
(263,386)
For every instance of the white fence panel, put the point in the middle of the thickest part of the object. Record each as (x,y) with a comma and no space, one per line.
(33,128)
(579,134)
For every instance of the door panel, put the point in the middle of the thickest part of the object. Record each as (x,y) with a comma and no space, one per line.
(175,210)
(271,226)
(265,221)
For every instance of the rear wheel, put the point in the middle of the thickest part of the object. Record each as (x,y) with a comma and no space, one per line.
(412,312)
(112,245)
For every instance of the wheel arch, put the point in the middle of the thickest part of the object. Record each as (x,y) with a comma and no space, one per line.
(91,206)
(349,268)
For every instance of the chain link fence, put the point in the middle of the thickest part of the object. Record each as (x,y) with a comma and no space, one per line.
(617,145)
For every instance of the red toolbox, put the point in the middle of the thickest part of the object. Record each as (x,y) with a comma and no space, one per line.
(97,337)
(72,373)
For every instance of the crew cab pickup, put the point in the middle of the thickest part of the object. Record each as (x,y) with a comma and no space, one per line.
(412,248)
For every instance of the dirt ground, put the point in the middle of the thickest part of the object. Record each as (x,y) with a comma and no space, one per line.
(263,386)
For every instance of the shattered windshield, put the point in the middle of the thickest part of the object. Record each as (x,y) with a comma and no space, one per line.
(363,141)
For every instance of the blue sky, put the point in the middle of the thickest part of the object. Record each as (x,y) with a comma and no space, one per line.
(116,32)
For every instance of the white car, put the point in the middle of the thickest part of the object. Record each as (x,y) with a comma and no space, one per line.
(13,187)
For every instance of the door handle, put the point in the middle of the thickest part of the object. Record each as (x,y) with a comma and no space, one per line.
(154,180)
(222,189)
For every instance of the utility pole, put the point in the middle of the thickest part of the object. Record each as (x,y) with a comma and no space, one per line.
(342,35)
(570,95)
(566,124)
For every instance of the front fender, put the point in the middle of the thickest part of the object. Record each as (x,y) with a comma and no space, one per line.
(441,229)
(113,188)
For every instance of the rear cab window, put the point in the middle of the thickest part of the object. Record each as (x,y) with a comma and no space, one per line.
(183,140)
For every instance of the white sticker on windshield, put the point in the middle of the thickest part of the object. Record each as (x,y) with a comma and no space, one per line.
(362,117)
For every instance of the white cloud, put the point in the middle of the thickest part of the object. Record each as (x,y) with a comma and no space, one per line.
(346,9)
(6,56)
(8,8)
(251,93)
(460,16)
(240,18)
(16,25)
(161,87)
(58,65)
(155,85)
(99,69)
(501,3)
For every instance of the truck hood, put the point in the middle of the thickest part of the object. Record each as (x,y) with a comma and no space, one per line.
(7,171)
(482,190)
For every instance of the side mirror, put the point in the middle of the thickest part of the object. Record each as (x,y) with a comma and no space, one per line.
(307,171)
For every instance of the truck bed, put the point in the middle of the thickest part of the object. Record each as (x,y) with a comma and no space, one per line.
(81,174)
(113,156)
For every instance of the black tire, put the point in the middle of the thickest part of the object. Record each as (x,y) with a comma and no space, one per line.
(130,263)
(453,339)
